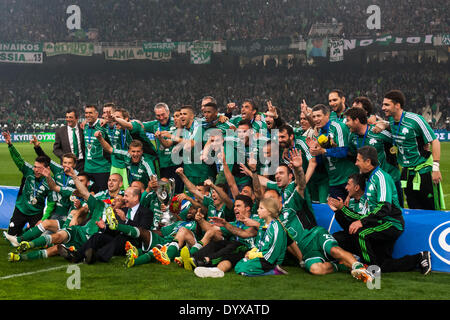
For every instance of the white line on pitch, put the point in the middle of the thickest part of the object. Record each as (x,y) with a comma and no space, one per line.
(31,273)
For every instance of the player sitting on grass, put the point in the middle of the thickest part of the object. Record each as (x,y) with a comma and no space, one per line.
(74,236)
(268,254)
(218,257)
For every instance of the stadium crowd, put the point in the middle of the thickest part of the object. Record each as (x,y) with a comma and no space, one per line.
(215,20)
(28,99)
(221,192)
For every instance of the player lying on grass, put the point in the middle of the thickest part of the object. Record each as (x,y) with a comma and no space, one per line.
(71,236)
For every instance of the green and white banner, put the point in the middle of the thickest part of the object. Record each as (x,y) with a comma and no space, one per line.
(21,52)
(134,53)
(446,39)
(387,40)
(159,46)
(201,52)
(74,48)
(336,50)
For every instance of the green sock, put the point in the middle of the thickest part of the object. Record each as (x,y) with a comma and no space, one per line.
(173,250)
(31,234)
(34,255)
(129,230)
(41,241)
(196,247)
(357,265)
(143,259)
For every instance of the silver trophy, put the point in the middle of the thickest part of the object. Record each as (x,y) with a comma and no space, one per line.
(165,193)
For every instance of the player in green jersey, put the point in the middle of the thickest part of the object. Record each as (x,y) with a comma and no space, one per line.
(218,257)
(334,150)
(96,165)
(376,228)
(30,203)
(412,137)
(312,244)
(70,236)
(249,112)
(362,134)
(336,101)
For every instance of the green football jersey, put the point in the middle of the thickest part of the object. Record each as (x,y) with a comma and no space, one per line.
(193,167)
(223,212)
(248,242)
(271,241)
(63,204)
(407,135)
(340,118)
(164,155)
(376,140)
(150,201)
(35,190)
(290,219)
(339,169)
(380,188)
(95,161)
(257,125)
(120,141)
(141,171)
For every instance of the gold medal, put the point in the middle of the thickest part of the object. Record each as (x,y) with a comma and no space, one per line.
(393,150)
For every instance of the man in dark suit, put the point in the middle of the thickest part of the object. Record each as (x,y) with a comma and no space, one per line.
(107,243)
(70,139)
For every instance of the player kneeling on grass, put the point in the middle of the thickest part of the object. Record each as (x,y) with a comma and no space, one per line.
(74,236)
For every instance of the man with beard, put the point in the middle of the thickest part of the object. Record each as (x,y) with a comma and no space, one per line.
(362,134)
(336,100)
(421,177)
(96,165)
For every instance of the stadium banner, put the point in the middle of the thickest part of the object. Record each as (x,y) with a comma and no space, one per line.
(73,48)
(200,52)
(388,40)
(159,46)
(21,52)
(317,47)
(446,39)
(425,230)
(442,135)
(8,196)
(27,137)
(259,47)
(336,50)
(134,53)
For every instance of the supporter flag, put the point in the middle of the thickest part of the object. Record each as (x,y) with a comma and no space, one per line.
(200,57)
(317,48)
(336,50)
(446,39)
(201,52)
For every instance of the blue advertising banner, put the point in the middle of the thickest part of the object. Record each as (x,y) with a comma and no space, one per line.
(8,196)
(424,231)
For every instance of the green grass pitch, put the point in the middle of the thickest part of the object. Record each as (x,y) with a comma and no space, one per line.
(48,279)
